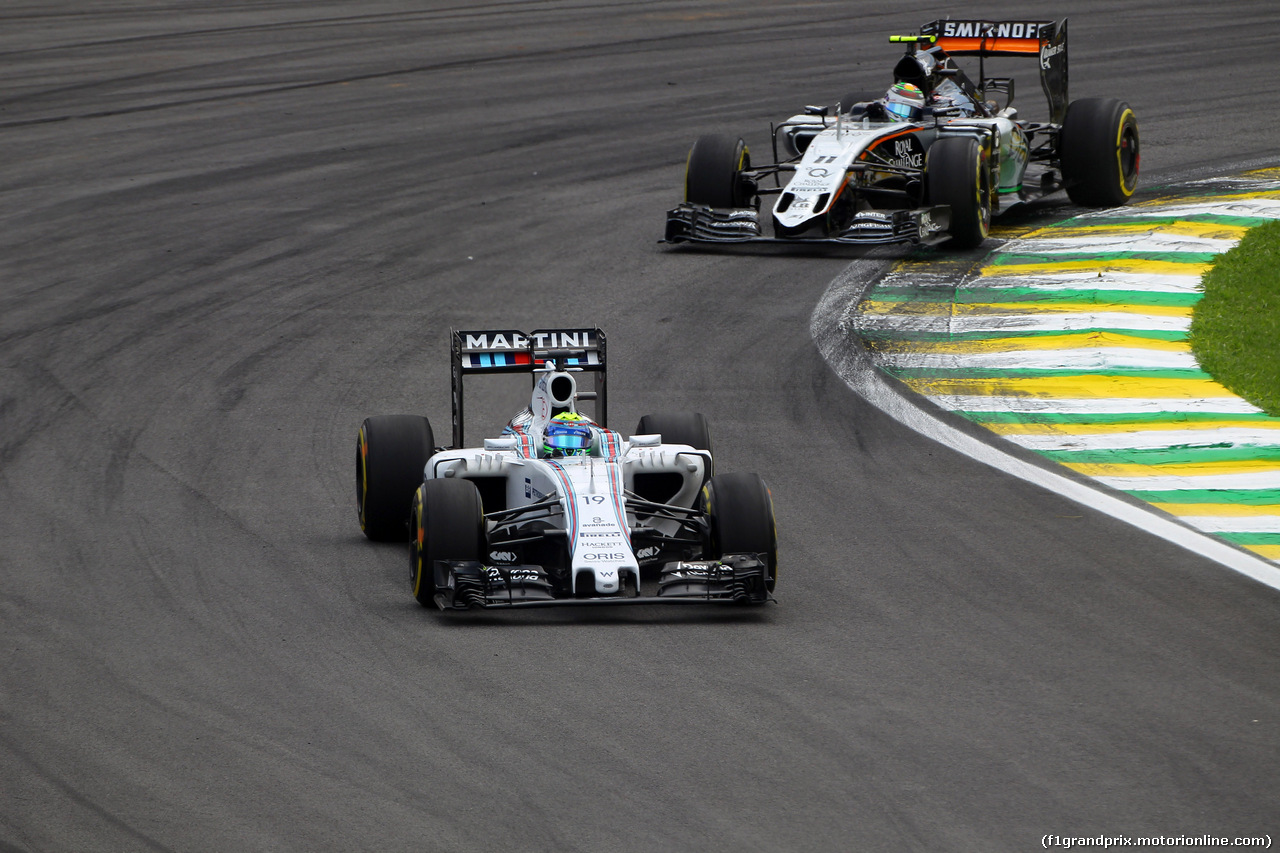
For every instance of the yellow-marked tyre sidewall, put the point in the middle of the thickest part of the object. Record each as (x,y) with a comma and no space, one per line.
(421,577)
(773,534)
(361,475)
(983,190)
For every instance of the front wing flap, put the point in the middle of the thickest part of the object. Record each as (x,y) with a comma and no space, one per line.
(736,578)
(699,223)
(733,579)
(696,223)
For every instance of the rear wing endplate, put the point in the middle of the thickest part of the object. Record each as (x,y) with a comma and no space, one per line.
(1045,40)
(512,351)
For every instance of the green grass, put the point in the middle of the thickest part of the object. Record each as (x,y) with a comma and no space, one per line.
(1235,328)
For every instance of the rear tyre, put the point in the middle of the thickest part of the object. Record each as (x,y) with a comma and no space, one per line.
(391,451)
(447,522)
(689,428)
(958,176)
(713,175)
(740,511)
(675,428)
(1099,152)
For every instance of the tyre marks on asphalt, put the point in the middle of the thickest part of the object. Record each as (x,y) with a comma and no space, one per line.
(1072,341)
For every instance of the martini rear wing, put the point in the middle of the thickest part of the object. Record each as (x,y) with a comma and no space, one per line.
(512,351)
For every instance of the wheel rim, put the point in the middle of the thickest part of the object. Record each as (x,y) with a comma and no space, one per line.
(744,163)
(984,194)
(1128,155)
(362,476)
(415,546)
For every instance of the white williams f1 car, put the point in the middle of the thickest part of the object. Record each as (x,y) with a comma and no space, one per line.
(931,160)
(560,509)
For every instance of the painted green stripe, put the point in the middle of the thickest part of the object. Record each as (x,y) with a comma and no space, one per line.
(1093,296)
(870,335)
(1165,455)
(1002,260)
(1241,538)
(1250,497)
(1040,373)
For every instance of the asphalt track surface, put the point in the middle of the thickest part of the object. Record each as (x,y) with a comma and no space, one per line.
(231,232)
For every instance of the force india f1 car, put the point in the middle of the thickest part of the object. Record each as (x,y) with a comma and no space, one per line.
(859,174)
(515,523)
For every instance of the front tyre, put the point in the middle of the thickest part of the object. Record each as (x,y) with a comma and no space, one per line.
(958,176)
(713,174)
(447,523)
(1099,152)
(739,509)
(391,451)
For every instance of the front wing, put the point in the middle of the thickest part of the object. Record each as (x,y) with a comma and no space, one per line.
(697,223)
(733,579)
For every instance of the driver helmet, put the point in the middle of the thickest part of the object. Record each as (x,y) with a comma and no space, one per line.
(567,434)
(904,101)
